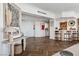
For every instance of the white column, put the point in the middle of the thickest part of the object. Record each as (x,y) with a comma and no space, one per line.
(52,31)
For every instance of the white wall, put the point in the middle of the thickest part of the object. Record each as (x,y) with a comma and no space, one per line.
(27,26)
(68,14)
(38,31)
(27,29)
(1,27)
(52,29)
(0,32)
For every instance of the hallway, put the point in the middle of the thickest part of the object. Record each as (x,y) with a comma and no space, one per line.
(44,46)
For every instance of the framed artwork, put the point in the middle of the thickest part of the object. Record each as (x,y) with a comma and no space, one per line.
(42,27)
(63,25)
(11,16)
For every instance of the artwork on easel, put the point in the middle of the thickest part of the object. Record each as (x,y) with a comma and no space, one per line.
(11,16)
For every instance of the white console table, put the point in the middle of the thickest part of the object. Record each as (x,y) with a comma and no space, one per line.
(16,41)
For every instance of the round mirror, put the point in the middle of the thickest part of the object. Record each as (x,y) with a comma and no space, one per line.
(71,23)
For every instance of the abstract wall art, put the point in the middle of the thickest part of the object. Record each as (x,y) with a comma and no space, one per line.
(11,16)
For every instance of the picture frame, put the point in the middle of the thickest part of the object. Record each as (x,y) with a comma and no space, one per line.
(12,15)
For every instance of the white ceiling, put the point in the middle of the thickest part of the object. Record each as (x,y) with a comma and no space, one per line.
(58,7)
